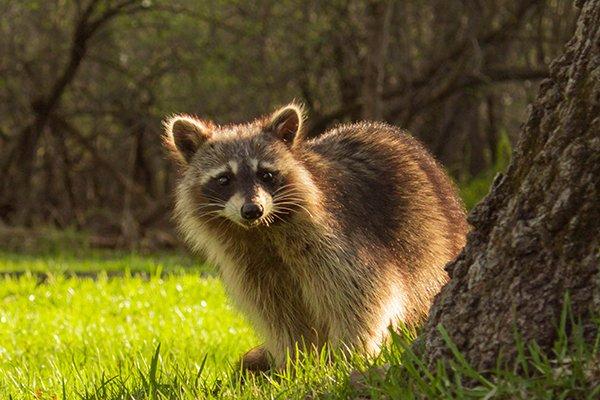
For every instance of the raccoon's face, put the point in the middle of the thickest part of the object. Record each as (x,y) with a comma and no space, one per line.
(244,174)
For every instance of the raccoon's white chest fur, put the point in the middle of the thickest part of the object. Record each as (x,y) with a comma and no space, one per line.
(219,253)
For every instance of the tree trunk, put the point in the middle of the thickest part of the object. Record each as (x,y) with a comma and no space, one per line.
(378,19)
(536,236)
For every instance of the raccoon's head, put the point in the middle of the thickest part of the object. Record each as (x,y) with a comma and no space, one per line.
(243,174)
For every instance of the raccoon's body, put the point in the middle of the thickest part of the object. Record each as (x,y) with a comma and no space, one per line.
(328,240)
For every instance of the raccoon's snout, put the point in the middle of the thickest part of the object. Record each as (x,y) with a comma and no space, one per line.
(252,211)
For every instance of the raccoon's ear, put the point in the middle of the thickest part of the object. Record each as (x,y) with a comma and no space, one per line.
(184,135)
(287,124)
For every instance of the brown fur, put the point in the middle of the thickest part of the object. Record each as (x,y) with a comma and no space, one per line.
(359,243)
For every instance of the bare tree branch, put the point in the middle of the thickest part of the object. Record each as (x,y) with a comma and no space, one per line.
(427,77)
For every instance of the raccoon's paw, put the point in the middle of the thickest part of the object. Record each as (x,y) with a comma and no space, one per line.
(256,360)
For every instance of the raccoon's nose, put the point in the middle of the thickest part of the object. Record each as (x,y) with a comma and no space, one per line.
(252,211)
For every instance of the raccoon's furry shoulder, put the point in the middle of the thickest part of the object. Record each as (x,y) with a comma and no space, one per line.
(377,177)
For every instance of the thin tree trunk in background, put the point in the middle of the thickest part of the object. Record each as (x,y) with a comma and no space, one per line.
(379,15)
(446,139)
(122,179)
(142,171)
(67,168)
(536,236)
(459,135)
(477,140)
(130,231)
(491,105)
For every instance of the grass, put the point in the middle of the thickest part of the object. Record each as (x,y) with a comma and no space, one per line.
(171,333)
(80,331)
(96,261)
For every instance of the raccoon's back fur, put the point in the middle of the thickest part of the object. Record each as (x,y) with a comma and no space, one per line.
(357,241)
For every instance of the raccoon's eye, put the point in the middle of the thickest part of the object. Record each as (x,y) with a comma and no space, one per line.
(223,179)
(266,176)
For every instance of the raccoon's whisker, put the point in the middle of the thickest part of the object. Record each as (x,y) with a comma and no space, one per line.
(283,207)
(283,187)
(212,216)
(275,214)
(288,202)
(214,202)
(265,221)
(289,196)
(204,211)
(286,192)
(201,206)
(288,199)
(292,185)
(214,199)
(295,204)
(208,212)
(209,220)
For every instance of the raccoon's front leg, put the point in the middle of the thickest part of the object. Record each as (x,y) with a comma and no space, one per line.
(272,353)
(285,322)
(293,332)
(350,308)
(256,360)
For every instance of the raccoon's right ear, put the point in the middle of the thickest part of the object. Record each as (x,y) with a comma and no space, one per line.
(287,124)
(184,135)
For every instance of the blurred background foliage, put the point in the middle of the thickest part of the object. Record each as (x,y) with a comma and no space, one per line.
(84,85)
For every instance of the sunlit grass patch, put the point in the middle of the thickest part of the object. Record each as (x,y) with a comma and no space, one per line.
(174,335)
(96,261)
(81,331)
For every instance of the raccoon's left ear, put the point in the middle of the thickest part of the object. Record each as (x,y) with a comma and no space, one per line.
(184,135)
(287,124)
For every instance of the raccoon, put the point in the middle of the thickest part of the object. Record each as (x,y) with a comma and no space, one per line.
(329,240)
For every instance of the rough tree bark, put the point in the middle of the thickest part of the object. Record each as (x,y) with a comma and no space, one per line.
(536,236)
